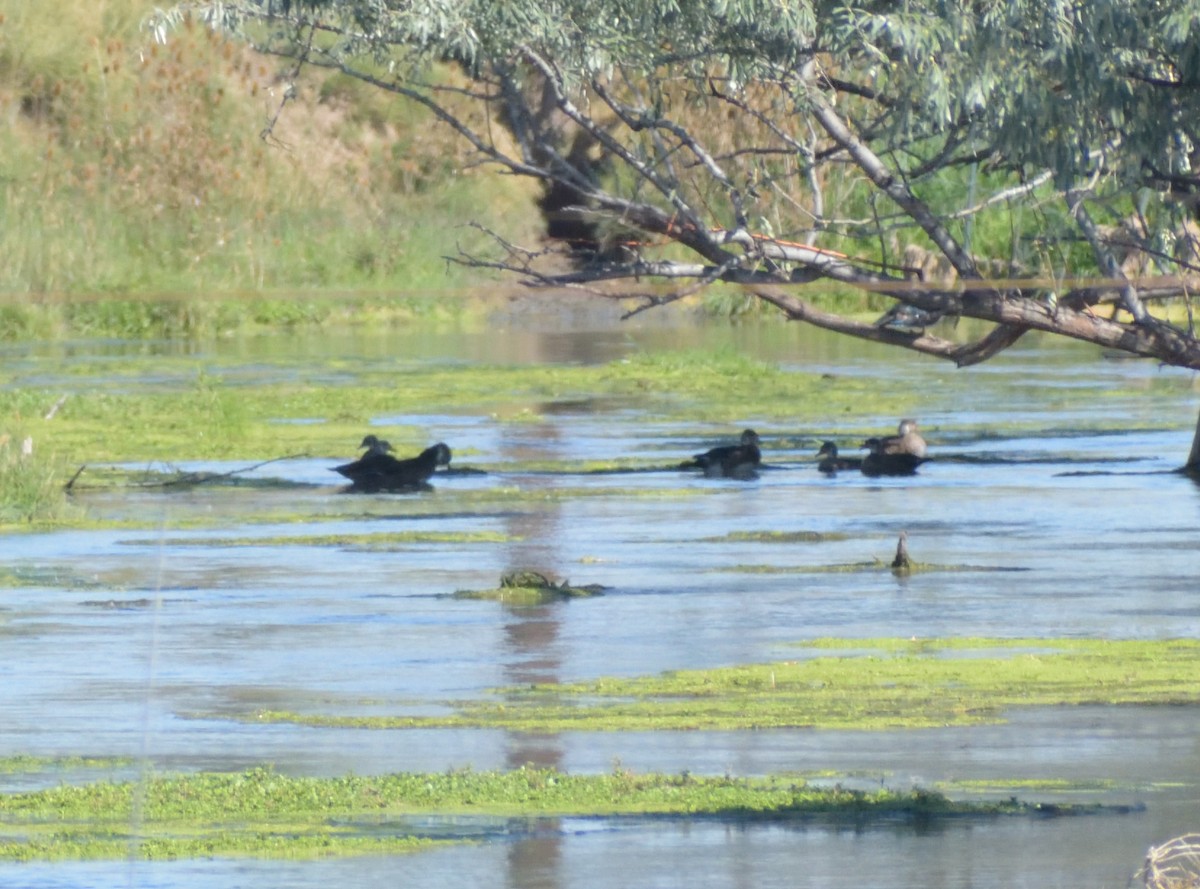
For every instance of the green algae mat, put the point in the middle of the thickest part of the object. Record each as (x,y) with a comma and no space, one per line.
(838,684)
(262,814)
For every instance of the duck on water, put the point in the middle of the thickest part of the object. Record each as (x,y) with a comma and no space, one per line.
(898,454)
(830,462)
(378,470)
(729,461)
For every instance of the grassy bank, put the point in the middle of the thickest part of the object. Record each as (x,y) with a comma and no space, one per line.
(140,200)
(135,167)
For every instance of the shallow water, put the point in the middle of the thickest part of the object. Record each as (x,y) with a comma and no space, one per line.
(138,643)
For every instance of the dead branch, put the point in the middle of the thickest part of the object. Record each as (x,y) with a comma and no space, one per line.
(54,409)
(190,479)
(1173,865)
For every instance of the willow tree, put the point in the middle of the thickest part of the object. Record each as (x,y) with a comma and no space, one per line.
(1030,164)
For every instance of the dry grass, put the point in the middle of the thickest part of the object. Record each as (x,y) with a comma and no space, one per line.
(136,167)
(1173,865)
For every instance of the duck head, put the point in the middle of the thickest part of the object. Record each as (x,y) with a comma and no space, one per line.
(375,445)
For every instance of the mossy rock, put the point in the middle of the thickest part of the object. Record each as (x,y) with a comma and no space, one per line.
(525,586)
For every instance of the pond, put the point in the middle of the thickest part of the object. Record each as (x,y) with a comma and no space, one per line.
(1050,491)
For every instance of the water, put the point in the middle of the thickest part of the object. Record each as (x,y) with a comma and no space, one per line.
(129,643)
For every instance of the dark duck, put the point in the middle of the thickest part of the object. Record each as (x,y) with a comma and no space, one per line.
(377,470)
(898,454)
(830,463)
(729,461)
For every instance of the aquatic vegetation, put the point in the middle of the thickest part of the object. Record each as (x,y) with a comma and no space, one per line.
(870,684)
(375,542)
(29,764)
(1038,785)
(158,410)
(778,537)
(871,567)
(267,815)
(208,416)
(530,587)
(31,486)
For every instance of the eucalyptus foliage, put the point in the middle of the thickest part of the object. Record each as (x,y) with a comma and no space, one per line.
(1017,162)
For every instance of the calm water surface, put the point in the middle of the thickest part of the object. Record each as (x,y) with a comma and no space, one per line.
(1098,536)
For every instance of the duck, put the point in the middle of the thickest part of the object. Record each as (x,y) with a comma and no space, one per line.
(908,319)
(377,470)
(898,454)
(375,445)
(907,440)
(830,462)
(729,461)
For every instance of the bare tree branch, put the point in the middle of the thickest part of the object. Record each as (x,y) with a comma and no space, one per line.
(890,185)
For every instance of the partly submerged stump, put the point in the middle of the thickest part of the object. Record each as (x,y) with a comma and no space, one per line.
(901,562)
(528,587)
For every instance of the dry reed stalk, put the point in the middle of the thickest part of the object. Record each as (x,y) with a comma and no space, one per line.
(1173,865)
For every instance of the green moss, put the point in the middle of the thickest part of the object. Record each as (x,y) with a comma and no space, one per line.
(30,764)
(267,815)
(205,416)
(778,537)
(872,684)
(1039,785)
(871,567)
(378,542)
(301,409)
(528,588)
(289,843)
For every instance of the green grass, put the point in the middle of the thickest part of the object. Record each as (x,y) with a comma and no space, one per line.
(267,815)
(31,486)
(137,168)
(863,685)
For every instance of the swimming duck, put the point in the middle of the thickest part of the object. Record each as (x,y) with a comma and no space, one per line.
(898,454)
(375,447)
(907,440)
(830,462)
(731,461)
(377,470)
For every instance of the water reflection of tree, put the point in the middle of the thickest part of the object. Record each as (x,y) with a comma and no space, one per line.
(531,639)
